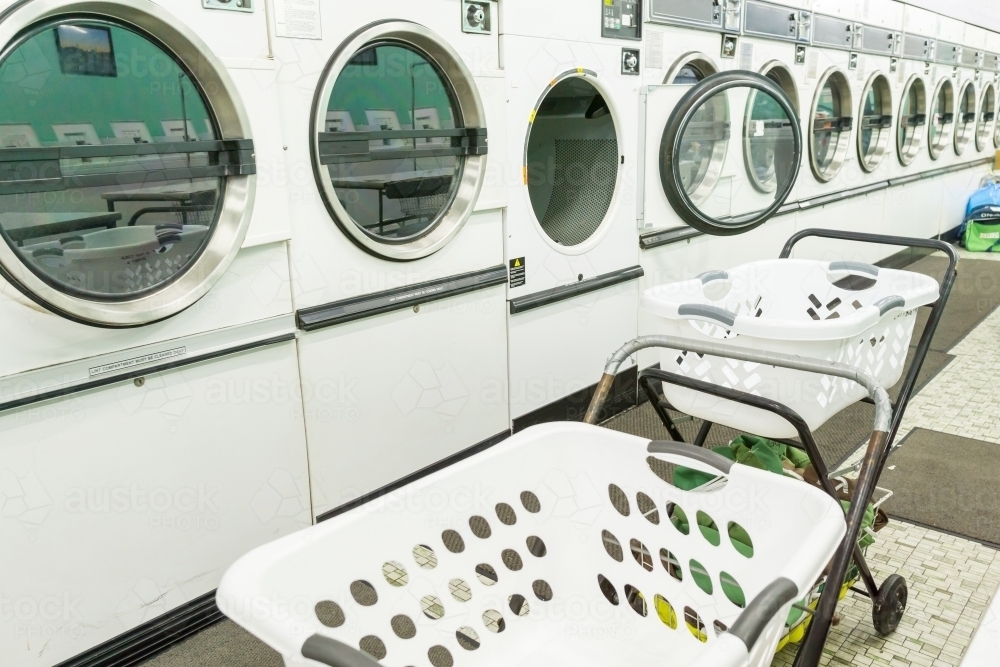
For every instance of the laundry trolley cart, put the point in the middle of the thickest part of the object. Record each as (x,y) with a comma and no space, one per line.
(552,548)
(829,314)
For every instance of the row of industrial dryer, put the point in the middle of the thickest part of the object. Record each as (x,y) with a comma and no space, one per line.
(263,259)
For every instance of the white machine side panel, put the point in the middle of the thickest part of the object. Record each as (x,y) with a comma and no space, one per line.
(884,13)
(559,349)
(105,528)
(256,287)
(229,34)
(846,9)
(499,173)
(858,214)
(951,30)
(389,395)
(920,21)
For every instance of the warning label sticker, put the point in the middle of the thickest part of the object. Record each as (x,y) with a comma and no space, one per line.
(517,272)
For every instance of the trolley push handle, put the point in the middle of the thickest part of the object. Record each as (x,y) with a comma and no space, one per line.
(880,239)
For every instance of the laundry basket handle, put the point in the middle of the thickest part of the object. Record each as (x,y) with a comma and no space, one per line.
(683,450)
(335,654)
(754,619)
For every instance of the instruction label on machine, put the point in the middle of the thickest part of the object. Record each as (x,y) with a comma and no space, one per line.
(298,19)
(517,272)
(137,361)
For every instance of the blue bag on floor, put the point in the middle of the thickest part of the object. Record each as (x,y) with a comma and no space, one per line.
(980,230)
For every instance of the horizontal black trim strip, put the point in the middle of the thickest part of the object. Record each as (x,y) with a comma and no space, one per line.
(557,294)
(347,147)
(573,408)
(141,372)
(55,153)
(152,637)
(662,237)
(112,177)
(356,308)
(409,479)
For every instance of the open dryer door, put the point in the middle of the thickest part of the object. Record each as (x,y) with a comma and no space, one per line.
(727,155)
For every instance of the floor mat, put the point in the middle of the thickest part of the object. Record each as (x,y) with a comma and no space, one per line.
(947,482)
(225,644)
(975,295)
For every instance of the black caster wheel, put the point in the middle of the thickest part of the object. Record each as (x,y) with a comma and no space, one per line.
(889,605)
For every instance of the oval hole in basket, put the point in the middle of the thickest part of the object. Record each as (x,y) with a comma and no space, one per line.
(395,573)
(403,626)
(460,590)
(679,518)
(480,527)
(608,589)
(453,542)
(732,590)
(486,574)
(700,576)
(432,607)
(740,539)
(535,546)
(641,554)
(849,282)
(425,557)
(530,502)
(373,646)
(694,623)
(542,590)
(467,638)
(619,500)
(506,514)
(720,627)
(440,657)
(671,565)
(511,559)
(635,600)
(363,593)
(665,611)
(647,508)
(518,604)
(493,620)
(330,614)
(612,546)
(709,529)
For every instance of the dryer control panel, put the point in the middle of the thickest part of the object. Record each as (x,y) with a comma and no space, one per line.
(621,19)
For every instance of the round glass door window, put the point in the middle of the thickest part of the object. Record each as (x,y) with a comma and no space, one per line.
(398,141)
(986,117)
(876,122)
(965,125)
(760,155)
(831,125)
(942,118)
(112,173)
(912,119)
(571,159)
(771,151)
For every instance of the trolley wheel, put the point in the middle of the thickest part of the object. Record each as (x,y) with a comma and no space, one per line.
(889,605)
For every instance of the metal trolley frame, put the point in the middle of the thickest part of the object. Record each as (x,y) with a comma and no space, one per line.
(888,599)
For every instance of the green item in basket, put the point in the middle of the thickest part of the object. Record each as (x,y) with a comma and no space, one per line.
(749,450)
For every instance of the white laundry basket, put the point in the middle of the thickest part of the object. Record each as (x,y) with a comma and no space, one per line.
(554,547)
(848,312)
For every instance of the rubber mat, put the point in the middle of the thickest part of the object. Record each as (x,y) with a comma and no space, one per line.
(946,482)
(975,295)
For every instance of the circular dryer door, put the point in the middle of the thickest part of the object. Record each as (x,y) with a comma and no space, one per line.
(730,153)
(125,162)
(399,140)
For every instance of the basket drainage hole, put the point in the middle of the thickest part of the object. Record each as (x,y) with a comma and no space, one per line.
(635,600)
(363,593)
(460,590)
(641,554)
(467,638)
(432,607)
(518,604)
(679,518)
(480,527)
(512,560)
(535,546)
(700,576)
(440,657)
(530,502)
(453,542)
(671,565)
(732,590)
(425,557)
(330,614)
(619,500)
(694,623)
(720,627)
(647,508)
(542,590)
(395,573)
(740,539)
(403,626)
(486,574)
(493,620)
(709,530)
(373,646)
(608,589)
(612,546)
(665,611)
(506,514)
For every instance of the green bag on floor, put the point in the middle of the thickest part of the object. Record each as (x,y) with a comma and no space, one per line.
(981,236)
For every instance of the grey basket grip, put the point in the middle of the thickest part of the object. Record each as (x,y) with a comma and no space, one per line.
(709,276)
(855,267)
(700,454)
(720,315)
(751,623)
(335,654)
(887,303)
